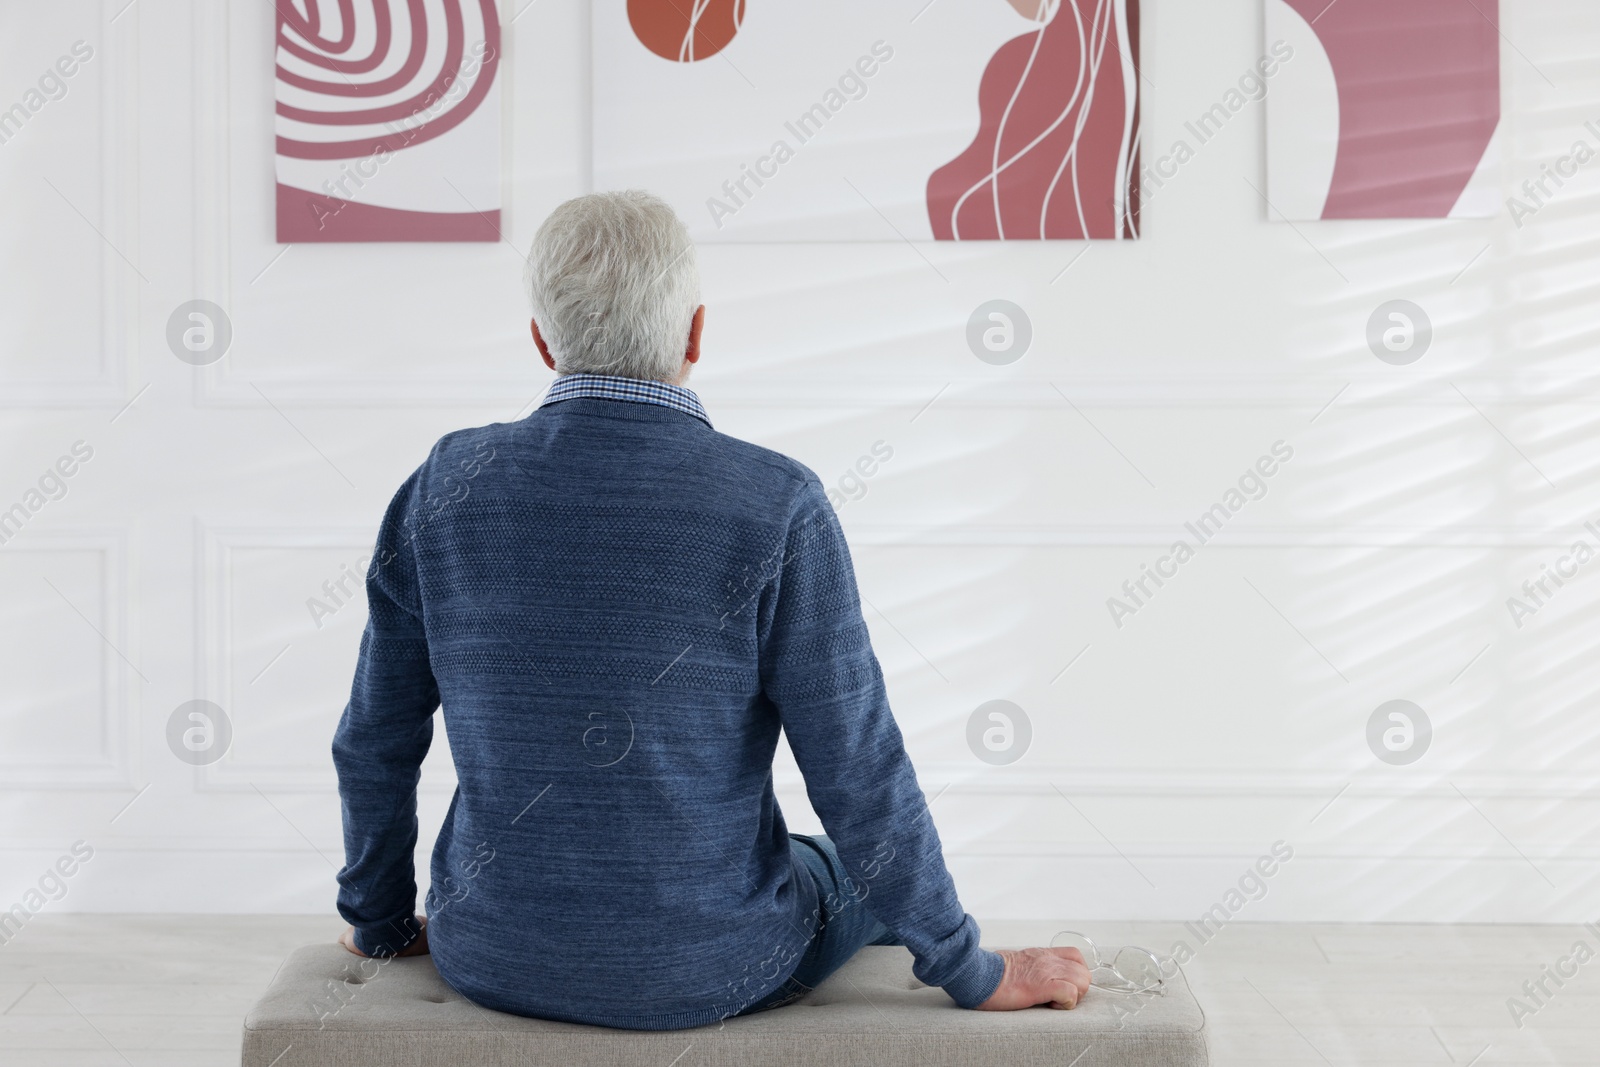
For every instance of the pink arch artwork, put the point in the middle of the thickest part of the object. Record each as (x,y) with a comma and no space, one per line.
(356,92)
(1418,86)
(1056,155)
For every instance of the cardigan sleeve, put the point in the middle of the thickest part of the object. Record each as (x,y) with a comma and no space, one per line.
(819,670)
(382,738)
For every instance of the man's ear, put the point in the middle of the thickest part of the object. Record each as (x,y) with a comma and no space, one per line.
(696,324)
(544,349)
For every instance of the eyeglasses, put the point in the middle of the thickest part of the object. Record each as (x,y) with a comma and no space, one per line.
(1131,971)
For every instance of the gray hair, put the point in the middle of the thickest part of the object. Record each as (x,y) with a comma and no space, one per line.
(614,285)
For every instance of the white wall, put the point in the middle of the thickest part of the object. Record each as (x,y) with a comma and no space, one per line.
(1169,756)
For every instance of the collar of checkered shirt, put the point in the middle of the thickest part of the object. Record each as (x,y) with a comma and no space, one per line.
(634,390)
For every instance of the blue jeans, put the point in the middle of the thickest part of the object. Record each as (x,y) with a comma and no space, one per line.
(844,926)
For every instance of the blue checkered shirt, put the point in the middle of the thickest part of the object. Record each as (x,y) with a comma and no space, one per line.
(637,390)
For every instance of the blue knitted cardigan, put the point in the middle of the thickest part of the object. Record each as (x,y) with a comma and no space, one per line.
(618,609)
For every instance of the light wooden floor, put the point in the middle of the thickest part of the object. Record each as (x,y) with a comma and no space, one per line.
(170,991)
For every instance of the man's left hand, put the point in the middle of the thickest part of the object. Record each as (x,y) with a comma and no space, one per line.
(419,947)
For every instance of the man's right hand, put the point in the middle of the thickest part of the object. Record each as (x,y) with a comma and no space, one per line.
(1054,976)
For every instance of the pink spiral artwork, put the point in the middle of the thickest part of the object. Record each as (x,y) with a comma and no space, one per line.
(387,122)
(1056,154)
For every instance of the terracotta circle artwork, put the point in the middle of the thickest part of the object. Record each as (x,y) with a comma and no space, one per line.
(685,30)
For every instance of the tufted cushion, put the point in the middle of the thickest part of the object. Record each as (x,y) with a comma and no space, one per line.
(321,1012)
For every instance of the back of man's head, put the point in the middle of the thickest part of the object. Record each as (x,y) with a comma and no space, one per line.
(614,286)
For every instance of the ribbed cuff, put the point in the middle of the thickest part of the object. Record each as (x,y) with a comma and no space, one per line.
(976,982)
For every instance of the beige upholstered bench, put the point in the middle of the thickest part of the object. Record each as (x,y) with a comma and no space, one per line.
(320,1011)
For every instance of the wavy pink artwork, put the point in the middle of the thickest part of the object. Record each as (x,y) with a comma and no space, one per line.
(1406,118)
(387,126)
(1056,154)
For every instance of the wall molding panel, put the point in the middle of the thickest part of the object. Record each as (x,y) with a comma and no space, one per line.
(113,218)
(107,759)
(220,548)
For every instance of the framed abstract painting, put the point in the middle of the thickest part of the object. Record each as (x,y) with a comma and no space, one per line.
(388,120)
(838,121)
(1387,110)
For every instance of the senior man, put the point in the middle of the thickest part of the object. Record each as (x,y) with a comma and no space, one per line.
(619,609)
